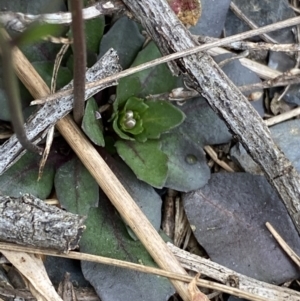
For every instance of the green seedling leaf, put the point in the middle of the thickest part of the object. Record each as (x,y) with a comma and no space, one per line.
(187,167)
(151,81)
(92,126)
(146,160)
(128,89)
(94,29)
(157,79)
(129,119)
(125,37)
(45,69)
(136,105)
(22,178)
(76,189)
(106,235)
(36,32)
(118,130)
(161,116)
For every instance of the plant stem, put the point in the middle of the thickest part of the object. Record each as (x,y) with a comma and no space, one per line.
(13,95)
(79,49)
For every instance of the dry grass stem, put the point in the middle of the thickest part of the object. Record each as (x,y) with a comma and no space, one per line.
(250,23)
(135,267)
(283,117)
(210,151)
(284,245)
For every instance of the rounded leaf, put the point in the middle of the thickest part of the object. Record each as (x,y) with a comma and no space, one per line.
(146,160)
(22,178)
(76,189)
(161,116)
(92,126)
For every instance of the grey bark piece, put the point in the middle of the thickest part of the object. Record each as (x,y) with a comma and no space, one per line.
(31,222)
(52,111)
(205,76)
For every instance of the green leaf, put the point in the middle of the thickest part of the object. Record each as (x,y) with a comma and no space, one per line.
(150,81)
(143,194)
(128,90)
(22,178)
(45,69)
(125,37)
(136,104)
(76,189)
(187,167)
(161,116)
(40,51)
(37,31)
(92,126)
(94,29)
(116,128)
(146,160)
(136,107)
(106,235)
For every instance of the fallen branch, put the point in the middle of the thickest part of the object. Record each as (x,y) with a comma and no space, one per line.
(204,75)
(31,222)
(19,22)
(226,276)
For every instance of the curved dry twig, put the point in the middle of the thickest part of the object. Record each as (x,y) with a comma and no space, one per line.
(19,22)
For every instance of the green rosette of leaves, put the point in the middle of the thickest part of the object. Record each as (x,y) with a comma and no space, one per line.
(139,123)
(141,120)
(128,123)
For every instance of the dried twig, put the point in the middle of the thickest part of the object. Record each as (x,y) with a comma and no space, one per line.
(18,21)
(284,245)
(240,292)
(250,23)
(224,275)
(214,156)
(286,78)
(246,45)
(282,117)
(32,224)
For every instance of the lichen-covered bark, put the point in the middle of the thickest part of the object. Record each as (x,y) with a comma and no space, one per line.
(31,222)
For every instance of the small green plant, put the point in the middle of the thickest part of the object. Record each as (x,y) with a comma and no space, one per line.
(139,123)
(141,120)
